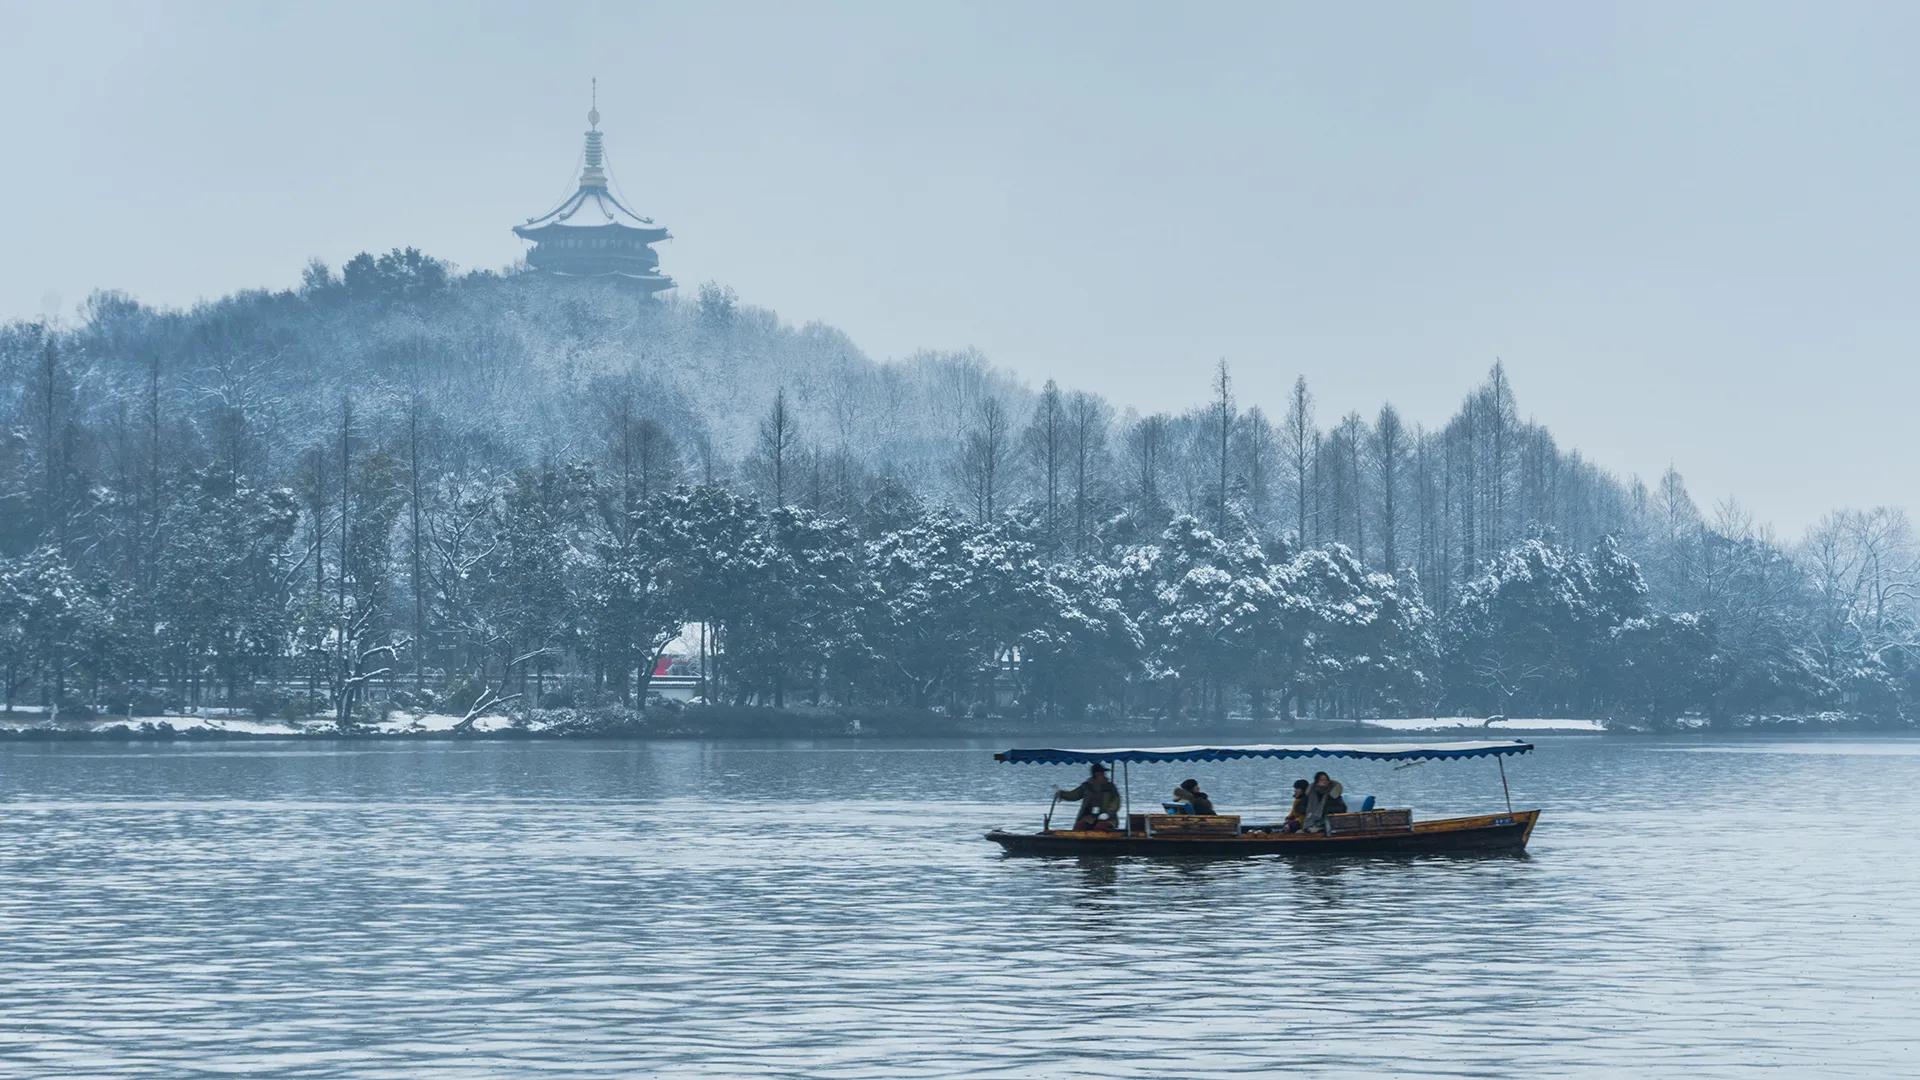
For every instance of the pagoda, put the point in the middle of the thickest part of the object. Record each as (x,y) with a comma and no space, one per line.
(592,234)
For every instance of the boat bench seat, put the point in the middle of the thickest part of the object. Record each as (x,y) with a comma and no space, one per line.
(1192,824)
(1370,821)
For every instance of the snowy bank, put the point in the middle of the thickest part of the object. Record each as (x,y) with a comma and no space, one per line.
(1476,723)
(34,721)
(802,722)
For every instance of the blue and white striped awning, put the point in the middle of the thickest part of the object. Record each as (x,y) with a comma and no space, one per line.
(1360,751)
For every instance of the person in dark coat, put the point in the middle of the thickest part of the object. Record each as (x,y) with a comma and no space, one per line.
(1189,792)
(1323,798)
(1099,800)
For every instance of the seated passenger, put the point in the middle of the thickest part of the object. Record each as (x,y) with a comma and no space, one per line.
(1298,813)
(1323,798)
(1099,800)
(1189,792)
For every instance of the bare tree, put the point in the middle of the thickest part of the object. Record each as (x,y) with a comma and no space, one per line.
(51,407)
(642,453)
(1387,454)
(1497,423)
(1258,449)
(1346,486)
(984,457)
(1864,568)
(779,435)
(1428,535)
(1462,490)
(1087,420)
(1675,530)
(1046,441)
(416,581)
(149,541)
(346,498)
(1221,413)
(1147,446)
(1298,440)
(961,384)
(458,546)
(849,393)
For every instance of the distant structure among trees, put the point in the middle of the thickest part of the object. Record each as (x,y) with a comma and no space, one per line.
(402,484)
(593,234)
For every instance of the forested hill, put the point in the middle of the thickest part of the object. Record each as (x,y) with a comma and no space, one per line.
(526,370)
(152,458)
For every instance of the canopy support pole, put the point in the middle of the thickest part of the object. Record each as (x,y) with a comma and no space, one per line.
(1126,805)
(1507,791)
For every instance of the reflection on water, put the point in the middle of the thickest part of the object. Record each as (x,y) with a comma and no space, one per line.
(554,910)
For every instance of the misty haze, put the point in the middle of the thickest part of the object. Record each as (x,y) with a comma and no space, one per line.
(958,540)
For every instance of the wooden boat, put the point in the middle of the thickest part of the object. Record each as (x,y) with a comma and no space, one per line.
(1369,832)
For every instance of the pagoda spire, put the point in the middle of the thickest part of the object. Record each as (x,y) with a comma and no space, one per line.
(592,234)
(595,173)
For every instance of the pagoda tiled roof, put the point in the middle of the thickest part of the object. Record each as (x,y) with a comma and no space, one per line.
(588,208)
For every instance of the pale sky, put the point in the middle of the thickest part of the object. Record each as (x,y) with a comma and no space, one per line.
(1688,229)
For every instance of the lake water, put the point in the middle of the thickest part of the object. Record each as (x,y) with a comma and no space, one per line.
(1689,908)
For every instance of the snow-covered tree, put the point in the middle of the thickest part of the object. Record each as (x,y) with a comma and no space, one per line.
(220,599)
(273,482)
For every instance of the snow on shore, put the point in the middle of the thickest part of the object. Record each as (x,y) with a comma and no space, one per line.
(218,722)
(1477,723)
(31,719)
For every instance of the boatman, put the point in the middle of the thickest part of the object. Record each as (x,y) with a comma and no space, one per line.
(1099,800)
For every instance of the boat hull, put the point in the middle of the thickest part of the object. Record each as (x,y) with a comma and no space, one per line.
(1486,833)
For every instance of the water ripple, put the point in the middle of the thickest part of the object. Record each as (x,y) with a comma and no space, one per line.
(713,911)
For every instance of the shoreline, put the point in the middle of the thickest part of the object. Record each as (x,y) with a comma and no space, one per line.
(727,722)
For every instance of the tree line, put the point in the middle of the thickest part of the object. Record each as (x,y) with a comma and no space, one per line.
(497,483)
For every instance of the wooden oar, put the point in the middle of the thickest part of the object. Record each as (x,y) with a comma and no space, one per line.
(1046,823)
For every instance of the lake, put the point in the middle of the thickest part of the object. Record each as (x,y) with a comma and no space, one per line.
(1690,907)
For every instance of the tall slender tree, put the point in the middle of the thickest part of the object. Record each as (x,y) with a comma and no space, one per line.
(1299,438)
(1387,456)
(985,456)
(1047,441)
(1222,414)
(779,439)
(1257,452)
(1087,420)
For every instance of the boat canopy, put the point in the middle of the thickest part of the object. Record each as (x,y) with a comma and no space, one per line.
(1361,751)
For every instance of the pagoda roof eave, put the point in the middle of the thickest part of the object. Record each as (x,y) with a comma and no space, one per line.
(658,282)
(590,206)
(650,234)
